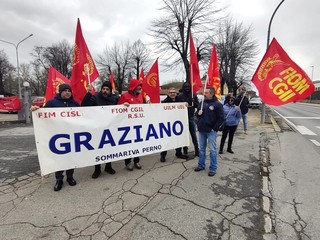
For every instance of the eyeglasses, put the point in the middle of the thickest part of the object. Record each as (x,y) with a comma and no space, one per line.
(172,92)
(67,90)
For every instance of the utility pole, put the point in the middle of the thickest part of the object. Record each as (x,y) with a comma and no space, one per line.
(263,106)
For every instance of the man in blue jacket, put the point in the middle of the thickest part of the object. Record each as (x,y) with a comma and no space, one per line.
(62,99)
(210,117)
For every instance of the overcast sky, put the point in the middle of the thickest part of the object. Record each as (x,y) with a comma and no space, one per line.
(295,25)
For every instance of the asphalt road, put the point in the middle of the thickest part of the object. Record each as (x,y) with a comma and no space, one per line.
(304,119)
(17,150)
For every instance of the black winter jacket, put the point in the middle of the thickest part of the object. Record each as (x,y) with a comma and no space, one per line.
(192,101)
(98,99)
(57,101)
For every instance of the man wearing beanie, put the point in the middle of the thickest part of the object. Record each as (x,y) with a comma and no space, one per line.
(102,98)
(62,99)
(133,96)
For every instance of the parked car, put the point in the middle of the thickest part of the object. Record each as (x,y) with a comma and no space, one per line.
(255,102)
(37,101)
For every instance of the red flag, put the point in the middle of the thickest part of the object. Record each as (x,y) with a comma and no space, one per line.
(84,70)
(279,79)
(111,78)
(213,73)
(141,76)
(195,80)
(55,78)
(150,84)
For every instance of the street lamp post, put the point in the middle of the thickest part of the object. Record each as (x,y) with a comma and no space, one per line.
(17,55)
(263,106)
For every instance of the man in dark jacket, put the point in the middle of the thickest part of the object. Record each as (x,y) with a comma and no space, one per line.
(171,98)
(193,103)
(102,98)
(62,99)
(243,102)
(210,117)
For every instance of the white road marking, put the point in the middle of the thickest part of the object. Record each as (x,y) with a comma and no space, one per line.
(315,142)
(318,127)
(304,131)
(304,117)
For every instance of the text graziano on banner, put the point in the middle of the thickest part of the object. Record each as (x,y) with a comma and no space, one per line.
(78,137)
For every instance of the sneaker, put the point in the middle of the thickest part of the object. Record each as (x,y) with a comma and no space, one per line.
(198,169)
(230,151)
(137,165)
(211,174)
(162,159)
(58,185)
(110,170)
(96,174)
(71,181)
(245,131)
(129,166)
(181,156)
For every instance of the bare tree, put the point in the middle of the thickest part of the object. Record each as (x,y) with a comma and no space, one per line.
(172,31)
(57,55)
(117,59)
(139,56)
(237,51)
(6,70)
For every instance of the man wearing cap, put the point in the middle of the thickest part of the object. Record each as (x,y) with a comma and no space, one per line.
(62,99)
(133,96)
(102,98)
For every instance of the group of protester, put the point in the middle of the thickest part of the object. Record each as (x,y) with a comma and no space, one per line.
(104,97)
(210,116)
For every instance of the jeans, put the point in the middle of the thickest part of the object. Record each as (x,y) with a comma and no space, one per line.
(245,121)
(211,139)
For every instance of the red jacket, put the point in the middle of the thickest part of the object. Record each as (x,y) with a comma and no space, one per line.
(129,97)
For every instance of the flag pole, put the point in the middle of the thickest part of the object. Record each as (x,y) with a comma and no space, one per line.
(242,97)
(191,81)
(87,69)
(205,87)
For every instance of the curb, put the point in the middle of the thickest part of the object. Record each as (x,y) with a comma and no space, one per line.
(264,162)
(11,122)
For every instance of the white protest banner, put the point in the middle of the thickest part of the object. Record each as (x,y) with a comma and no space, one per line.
(69,138)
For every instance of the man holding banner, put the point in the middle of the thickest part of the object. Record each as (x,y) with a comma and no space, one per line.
(62,99)
(102,98)
(133,96)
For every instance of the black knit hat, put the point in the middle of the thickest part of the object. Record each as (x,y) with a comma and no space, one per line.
(106,84)
(63,87)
